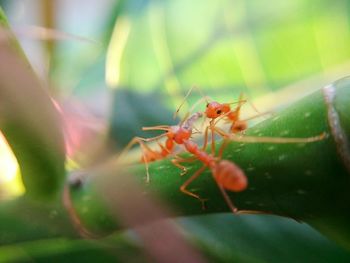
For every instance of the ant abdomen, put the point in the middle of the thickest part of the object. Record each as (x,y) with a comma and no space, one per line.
(230,176)
(239,126)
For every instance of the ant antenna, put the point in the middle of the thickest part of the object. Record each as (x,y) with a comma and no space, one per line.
(159,128)
(204,98)
(183,102)
(251,104)
(237,102)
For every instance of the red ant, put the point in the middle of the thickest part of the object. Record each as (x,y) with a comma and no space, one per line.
(226,174)
(176,134)
(216,111)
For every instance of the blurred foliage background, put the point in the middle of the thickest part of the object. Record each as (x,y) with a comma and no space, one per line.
(152,52)
(121,65)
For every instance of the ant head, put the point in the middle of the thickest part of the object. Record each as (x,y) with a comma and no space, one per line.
(215,109)
(239,126)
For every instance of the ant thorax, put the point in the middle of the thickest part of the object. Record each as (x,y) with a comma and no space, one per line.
(179,134)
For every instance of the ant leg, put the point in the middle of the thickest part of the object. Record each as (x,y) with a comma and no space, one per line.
(158,127)
(178,165)
(212,128)
(258,115)
(228,200)
(179,160)
(254,139)
(204,98)
(190,180)
(144,148)
(205,143)
(128,147)
(212,137)
(146,163)
(251,104)
(222,148)
(164,149)
(137,140)
(256,212)
(235,210)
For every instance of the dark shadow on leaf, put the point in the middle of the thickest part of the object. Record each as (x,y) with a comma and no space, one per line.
(132,110)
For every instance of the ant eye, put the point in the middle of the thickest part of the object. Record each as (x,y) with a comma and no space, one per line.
(218,111)
(207,105)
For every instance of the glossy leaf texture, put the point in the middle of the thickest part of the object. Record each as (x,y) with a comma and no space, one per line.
(303,181)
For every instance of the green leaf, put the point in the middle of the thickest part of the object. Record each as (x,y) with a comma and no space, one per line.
(252,238)
(128,122)
(220,238)
(24,219)
(308,182)
(30,122)
(116,249)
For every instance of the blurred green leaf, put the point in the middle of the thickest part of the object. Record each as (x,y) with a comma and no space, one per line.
(128,122)
(233,44)
(117,249)
(30,122)
(221,238)
(249,238)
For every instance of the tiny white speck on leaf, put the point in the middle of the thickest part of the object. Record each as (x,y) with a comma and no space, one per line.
(285,132)
(53,214)
(307,114)
(308,172)
(301,192)
(86,198)
(282,157)
(267,175)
